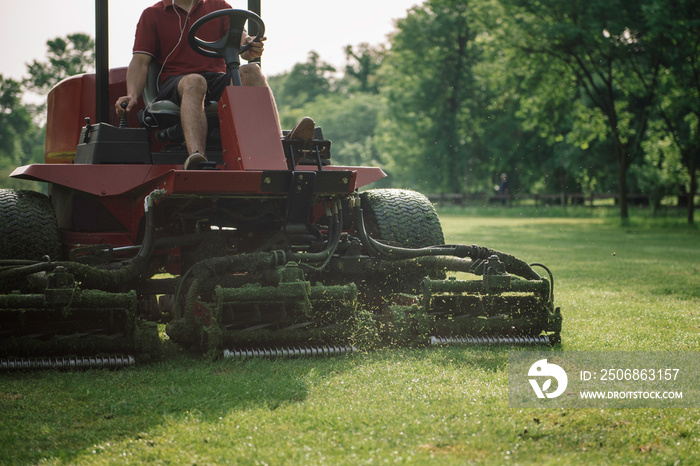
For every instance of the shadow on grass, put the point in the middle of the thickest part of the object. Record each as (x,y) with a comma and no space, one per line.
(58,415)
(62,415)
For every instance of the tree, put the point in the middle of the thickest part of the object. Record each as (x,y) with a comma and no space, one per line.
(304,83)
(529,110)
(607,48)
(65,57)
(431,130)
(21,140)
(660,173)
(676,26)
(15,123)
(363,64)
(350,122)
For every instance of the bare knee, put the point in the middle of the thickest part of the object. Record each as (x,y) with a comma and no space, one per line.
(192,85)
(252,75)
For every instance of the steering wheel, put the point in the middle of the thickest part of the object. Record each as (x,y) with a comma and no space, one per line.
(227,47)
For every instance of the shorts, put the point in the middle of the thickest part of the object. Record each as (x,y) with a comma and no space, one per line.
(216,84)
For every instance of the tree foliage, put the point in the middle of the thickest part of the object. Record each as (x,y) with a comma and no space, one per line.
(432,131)
(21,140)
(305,82)
(66,57)
(676,27)
(15,123)
(607,49)
(363,64)
(21,124)
(575,96)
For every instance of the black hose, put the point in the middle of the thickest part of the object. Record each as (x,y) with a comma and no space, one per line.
(94,277)
(551,278)
(27,270)
(362,231)
(335,230)
(205,270)
(474,252)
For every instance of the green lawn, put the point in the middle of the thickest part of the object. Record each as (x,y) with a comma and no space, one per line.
(619,288)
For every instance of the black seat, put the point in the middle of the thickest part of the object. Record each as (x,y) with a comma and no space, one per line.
(163,114)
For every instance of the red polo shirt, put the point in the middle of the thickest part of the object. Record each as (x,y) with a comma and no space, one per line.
(162,33)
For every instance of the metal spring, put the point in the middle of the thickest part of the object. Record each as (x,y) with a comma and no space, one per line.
(296,352)
(491,340)
(67,363)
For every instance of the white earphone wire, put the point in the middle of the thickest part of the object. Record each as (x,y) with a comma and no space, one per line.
(162,66)
(182,34)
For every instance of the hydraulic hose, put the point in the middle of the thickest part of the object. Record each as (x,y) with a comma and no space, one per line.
(362,231)
(474,252)
(27,269)
(334,232)
(204,271)
(94,277)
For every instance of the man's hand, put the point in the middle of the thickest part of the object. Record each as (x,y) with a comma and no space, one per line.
(130,102)
(256,48)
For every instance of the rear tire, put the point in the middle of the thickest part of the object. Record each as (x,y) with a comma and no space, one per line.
(401,218)
(406,219)
(28,226)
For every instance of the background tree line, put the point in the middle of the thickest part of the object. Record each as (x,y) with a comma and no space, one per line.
(22,124)
(589,97)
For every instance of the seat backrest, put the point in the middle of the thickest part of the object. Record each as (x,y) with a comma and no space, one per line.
(151,91)
(165,107)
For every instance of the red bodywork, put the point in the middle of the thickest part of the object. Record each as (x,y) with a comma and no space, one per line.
(251,145)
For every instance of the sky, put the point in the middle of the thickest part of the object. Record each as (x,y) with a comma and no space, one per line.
(293,28)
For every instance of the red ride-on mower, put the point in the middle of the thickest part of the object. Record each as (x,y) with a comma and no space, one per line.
(269,250)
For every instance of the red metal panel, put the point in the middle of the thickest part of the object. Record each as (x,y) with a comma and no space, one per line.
(64,119)
(69,103)
(128,211)
(249,130)
(365,175)
(214,182)
(113,180)
(100,180)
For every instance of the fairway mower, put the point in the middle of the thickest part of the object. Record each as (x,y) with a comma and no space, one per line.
(268,250)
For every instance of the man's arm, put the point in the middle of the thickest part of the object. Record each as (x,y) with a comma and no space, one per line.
(256,49)
(136,76)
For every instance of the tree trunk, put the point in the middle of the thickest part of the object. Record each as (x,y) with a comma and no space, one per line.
(623,163)
(622,193)
(692,170)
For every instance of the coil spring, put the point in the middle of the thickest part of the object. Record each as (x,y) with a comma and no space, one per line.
(296,352)
(491,340)
(67,363)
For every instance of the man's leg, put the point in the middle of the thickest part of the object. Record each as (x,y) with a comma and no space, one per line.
(252,75)
(192,89)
